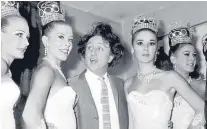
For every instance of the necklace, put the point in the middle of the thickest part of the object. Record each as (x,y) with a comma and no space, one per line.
(189,80)
(55,66)
(145,78)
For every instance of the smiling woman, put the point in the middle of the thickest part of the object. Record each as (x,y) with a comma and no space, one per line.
(14,42)
(41,108)
(183,55)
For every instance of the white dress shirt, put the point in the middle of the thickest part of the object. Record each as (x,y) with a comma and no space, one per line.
(95,87)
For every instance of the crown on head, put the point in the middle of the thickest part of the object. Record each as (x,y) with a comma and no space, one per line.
(204,40)
(9,8)
(50,11)
(180,34)
(144,22)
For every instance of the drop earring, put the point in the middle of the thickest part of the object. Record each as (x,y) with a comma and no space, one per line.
(156,56)
(46,49)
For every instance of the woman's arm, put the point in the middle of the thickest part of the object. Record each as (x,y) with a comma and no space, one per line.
(194,100)
(33,114)
(127,84)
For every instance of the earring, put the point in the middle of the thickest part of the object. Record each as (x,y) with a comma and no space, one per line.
(175,67)
(46,49)
(156,56)
(132,53)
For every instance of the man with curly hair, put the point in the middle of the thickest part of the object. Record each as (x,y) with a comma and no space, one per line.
(101,99)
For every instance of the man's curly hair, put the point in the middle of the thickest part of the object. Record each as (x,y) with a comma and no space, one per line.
(105,31)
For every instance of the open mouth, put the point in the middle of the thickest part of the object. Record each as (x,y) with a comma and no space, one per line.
(191,64)
(65,51)
(93,60)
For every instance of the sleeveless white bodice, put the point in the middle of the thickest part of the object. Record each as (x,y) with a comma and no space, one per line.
(151,110)
(9,94)
(59,111)
(183,114)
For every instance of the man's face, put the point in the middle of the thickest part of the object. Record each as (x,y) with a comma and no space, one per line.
(98,53)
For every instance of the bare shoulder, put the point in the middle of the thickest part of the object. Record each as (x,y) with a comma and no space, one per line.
(172,73)
(4,67)
(44,71)
(172,76)
(43,76)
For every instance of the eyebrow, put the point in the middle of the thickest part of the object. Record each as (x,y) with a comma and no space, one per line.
(143,40)
(60,33)
(21,30)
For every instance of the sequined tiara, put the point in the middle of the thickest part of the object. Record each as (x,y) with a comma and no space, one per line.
(50,11)
(9,8)
(180,34)
(144,22)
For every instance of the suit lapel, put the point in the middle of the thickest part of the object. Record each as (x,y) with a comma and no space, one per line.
(114,90)
(87,91)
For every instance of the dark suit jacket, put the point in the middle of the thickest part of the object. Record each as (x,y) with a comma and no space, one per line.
(85,109)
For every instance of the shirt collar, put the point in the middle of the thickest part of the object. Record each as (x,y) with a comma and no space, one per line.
(92,75)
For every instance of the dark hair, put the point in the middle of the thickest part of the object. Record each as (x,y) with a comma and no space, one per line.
(163,61)
(105,31)
(5,20)
(173,49)
(49,26)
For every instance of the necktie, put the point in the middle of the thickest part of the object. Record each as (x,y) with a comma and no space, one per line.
(105,105)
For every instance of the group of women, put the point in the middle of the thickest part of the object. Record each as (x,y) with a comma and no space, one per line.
(154,96)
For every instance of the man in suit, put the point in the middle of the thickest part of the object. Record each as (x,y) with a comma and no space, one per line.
(101,99)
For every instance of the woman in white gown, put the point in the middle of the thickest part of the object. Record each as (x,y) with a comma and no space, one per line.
(150,93)
(14,42)
(50,102)
(183,55)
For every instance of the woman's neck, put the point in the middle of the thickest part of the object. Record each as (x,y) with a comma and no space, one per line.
(145,67)
(7,58)
(183,74)
(54,60)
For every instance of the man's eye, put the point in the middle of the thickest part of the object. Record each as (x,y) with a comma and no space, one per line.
(100,49)
(89,48)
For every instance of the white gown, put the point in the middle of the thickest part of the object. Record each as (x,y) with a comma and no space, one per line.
(182,115)
(59,113)
(9,94)
(151,110)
